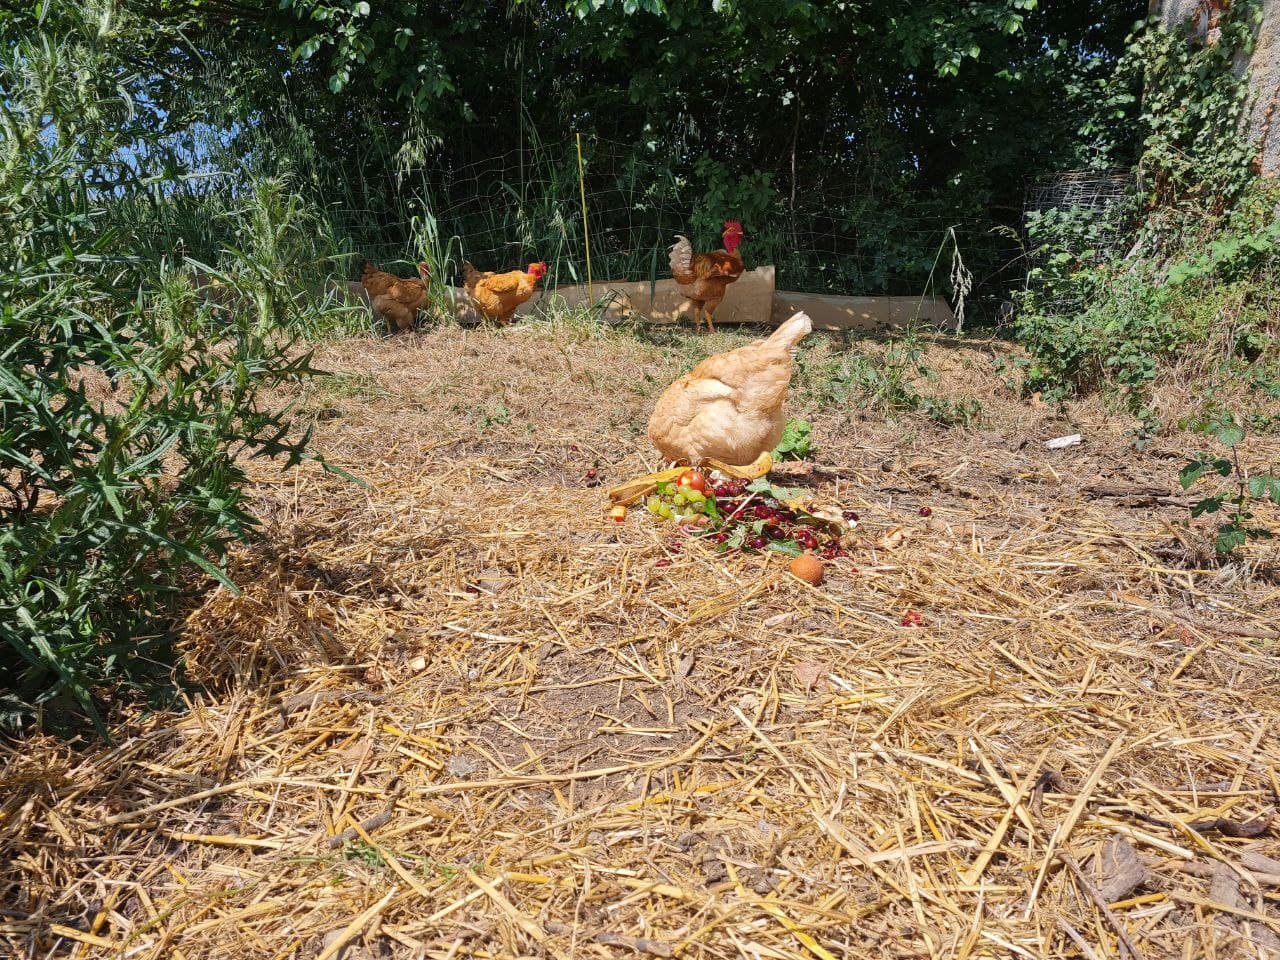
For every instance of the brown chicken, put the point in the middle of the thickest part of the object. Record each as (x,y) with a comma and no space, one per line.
(396,300)
(703,277)
(497,295)
(727,412)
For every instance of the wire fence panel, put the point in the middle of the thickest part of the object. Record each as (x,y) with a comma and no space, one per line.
(507,210)
(1094,209)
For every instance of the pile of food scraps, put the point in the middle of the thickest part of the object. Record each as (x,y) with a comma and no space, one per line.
(750,516)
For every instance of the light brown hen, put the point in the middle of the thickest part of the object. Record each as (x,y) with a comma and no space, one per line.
(726,413)
(729,407)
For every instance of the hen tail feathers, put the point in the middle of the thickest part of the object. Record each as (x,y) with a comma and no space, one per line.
(790,333)
(682,260)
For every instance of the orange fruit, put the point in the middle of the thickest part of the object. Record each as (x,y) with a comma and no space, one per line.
(808,568)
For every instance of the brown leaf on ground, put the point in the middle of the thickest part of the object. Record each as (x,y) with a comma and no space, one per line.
(812,675)
(1120,871)
(893,539)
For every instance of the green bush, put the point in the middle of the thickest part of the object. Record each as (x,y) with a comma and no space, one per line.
(1116,340)
(1184,269)
(129,400)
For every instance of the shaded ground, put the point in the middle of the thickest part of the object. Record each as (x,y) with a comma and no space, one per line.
(458,713)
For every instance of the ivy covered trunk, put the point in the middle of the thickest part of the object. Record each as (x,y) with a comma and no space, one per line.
(1265,82)
(1263,66)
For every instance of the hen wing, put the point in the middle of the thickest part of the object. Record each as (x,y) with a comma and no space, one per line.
(718,264)
(411,293)
(742,367)
(502,284)
(378,282)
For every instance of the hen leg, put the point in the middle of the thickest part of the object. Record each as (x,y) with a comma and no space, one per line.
(710,308)
(697,314)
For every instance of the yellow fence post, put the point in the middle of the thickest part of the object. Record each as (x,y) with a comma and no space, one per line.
(586,237)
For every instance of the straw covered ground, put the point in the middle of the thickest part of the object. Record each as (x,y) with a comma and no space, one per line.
(459,713)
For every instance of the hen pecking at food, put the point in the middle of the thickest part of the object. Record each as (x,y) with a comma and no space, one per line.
(727,412)
(703,277)
(396,300)
(497,295)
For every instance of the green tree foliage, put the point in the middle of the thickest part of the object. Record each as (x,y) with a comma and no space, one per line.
(884,123)
(1190,257)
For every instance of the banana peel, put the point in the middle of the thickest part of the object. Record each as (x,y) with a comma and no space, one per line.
(752,471)
(633,490)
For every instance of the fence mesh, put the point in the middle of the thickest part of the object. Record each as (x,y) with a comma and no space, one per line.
(506,210)
(1095,209)
(1103,193)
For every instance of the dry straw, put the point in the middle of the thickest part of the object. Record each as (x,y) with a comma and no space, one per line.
(461,714)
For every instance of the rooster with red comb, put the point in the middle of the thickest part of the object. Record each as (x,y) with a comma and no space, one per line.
(703,277)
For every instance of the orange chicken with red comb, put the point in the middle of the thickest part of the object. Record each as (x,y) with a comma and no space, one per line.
(496,295)
(704,277)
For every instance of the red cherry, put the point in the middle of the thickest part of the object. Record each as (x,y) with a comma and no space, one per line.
(762,512)
(807,539)
(926,511)
(851,515)
(757,543)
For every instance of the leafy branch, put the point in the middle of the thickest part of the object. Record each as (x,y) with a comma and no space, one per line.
(1235,503)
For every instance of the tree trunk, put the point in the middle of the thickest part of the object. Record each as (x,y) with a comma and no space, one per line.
(1263,66)
(1264,82)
